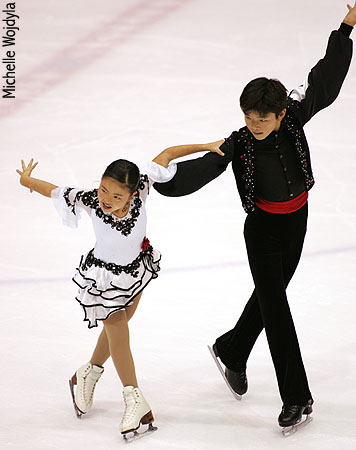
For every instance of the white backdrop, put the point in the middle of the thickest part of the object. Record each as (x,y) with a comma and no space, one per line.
(101,80)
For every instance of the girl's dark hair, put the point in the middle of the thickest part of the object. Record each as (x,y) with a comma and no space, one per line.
(264,96)
(124,172)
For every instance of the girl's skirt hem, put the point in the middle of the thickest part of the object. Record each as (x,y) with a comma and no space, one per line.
(101,292)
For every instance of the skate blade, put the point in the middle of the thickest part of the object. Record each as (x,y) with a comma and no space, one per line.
(221,370)
(288,431)
(77,411)
(131,436)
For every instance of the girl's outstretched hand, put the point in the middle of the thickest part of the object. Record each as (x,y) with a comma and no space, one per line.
(26,171)
(350,17)
(215,147)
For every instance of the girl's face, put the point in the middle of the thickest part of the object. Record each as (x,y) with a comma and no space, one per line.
(113,195)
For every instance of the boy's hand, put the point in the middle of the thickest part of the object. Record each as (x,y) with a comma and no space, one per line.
(26,172)
(350,18)
(215,147)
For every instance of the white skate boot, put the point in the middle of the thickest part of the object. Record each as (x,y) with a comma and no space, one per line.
(137,411)
(85,380)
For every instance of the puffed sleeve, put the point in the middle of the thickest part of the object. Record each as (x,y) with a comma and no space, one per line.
(155,173)
(70,201)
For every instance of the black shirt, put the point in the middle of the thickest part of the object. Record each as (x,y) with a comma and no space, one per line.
(278,176)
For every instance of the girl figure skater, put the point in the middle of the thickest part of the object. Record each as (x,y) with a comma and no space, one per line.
(112,276)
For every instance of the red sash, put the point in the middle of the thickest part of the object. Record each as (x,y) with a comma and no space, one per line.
(283,207)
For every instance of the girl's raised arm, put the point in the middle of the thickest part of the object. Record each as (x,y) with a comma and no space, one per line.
(170,153)
(40,186)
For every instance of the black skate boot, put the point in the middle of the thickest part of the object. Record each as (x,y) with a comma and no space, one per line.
(290,417)
(237,380)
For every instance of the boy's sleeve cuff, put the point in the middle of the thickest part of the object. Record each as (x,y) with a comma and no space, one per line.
(345,29)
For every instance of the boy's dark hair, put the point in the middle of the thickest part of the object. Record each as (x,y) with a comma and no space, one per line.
(264,96)
(124,172)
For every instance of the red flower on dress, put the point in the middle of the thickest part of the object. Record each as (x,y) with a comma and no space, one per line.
(145,244)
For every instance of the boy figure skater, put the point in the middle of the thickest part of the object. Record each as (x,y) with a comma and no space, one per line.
(271,163)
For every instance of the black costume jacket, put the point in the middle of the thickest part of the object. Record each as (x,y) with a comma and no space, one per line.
(319,91)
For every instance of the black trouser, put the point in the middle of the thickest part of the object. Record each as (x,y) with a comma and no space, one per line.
(274,244)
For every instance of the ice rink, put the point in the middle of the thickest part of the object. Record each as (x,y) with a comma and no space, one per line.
(96,81)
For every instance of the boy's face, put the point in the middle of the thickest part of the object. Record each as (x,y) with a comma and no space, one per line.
(262,126)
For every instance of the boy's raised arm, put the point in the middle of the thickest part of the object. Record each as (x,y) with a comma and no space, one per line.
(325,79)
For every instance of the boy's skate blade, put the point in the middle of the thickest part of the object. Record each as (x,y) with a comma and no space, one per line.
(131,436)
(77,411)
(235,394)
(288,431)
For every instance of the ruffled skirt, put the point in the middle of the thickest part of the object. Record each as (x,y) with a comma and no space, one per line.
(104,288)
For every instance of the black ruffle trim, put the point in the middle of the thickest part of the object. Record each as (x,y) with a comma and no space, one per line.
(118,308)
(116,269)
(150,266)
(90,198)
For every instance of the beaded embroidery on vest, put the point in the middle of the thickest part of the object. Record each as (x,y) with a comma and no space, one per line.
(248,176)
(245,151)
(297,134)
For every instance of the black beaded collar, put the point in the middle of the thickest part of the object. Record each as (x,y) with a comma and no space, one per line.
(90,198)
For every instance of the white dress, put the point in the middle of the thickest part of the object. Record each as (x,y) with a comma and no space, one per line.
(122,262)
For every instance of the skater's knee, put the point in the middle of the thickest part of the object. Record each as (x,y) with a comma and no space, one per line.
(118,318)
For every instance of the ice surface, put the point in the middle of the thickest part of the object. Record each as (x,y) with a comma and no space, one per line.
(101,80)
